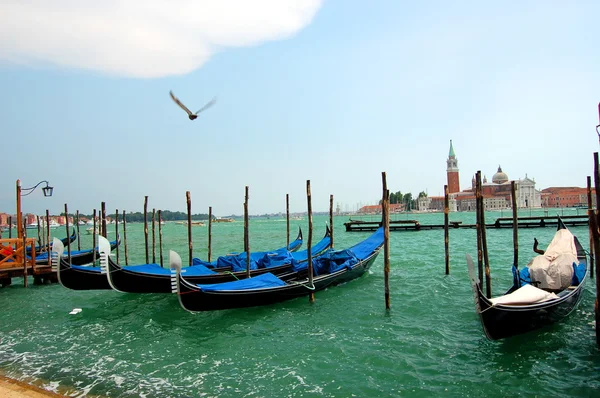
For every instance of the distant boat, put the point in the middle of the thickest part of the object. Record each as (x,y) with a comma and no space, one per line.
(225,219)
(90,230)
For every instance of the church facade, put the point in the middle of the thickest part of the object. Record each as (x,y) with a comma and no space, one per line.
(496,194)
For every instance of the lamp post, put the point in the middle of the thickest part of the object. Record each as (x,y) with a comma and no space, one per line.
(24,192)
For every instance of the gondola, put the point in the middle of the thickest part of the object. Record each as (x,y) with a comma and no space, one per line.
(152,278)
(224,261)
(526,307)
(42,248)
(81,277)
(331,268)
(78,257)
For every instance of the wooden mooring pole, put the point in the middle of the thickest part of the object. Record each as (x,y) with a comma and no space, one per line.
(209,233)
(591,229)
(68,240)
(24,243)
(246,233)
(146,228)
(311,295)
(513,194)
(287,219)
(39,231)
(125,237)
(188,200)
(153,236)
(486,262)
(78,234)
(446,231)
(596,235)
(48,249)
(331,218)
(385,219)
(103,219)
(478,227)
(94,231)
(160,238)
(117,232)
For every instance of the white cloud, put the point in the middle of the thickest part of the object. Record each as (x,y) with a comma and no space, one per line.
(145,39)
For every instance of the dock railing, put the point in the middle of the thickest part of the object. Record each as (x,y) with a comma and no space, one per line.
(13,254)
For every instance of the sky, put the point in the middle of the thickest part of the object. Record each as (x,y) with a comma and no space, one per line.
(332,92)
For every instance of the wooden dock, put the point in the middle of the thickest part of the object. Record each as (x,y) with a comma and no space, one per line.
(15,263)
(503,222)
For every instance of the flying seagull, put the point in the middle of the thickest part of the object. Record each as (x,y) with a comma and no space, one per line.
(191,115)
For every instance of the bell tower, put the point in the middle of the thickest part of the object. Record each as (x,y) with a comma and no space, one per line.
(452,171)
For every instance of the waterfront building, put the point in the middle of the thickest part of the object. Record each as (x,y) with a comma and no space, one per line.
(496,194)
(376,209)
(566,197)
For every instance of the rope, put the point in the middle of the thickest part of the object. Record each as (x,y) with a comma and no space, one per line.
(232,274)
(306,286)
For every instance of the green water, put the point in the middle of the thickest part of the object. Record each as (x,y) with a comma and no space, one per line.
(345,344)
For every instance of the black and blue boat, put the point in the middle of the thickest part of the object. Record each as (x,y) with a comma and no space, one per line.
(543,293)
(329,269)
(152,278)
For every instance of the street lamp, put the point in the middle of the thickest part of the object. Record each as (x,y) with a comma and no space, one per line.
(47,189)
(47,192)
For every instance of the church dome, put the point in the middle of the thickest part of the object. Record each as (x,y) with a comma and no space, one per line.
(500,177)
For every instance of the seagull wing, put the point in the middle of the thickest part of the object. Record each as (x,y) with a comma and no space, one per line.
(179,103)
(208,105)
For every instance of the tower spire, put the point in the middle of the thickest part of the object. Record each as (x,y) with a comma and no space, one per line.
(452,171)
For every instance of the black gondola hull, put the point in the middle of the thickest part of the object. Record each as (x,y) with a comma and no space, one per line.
(127,281)
(194,299)
(504,321)
(81,279)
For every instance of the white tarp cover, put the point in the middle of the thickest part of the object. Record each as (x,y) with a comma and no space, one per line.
(554,269)
(526,294)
